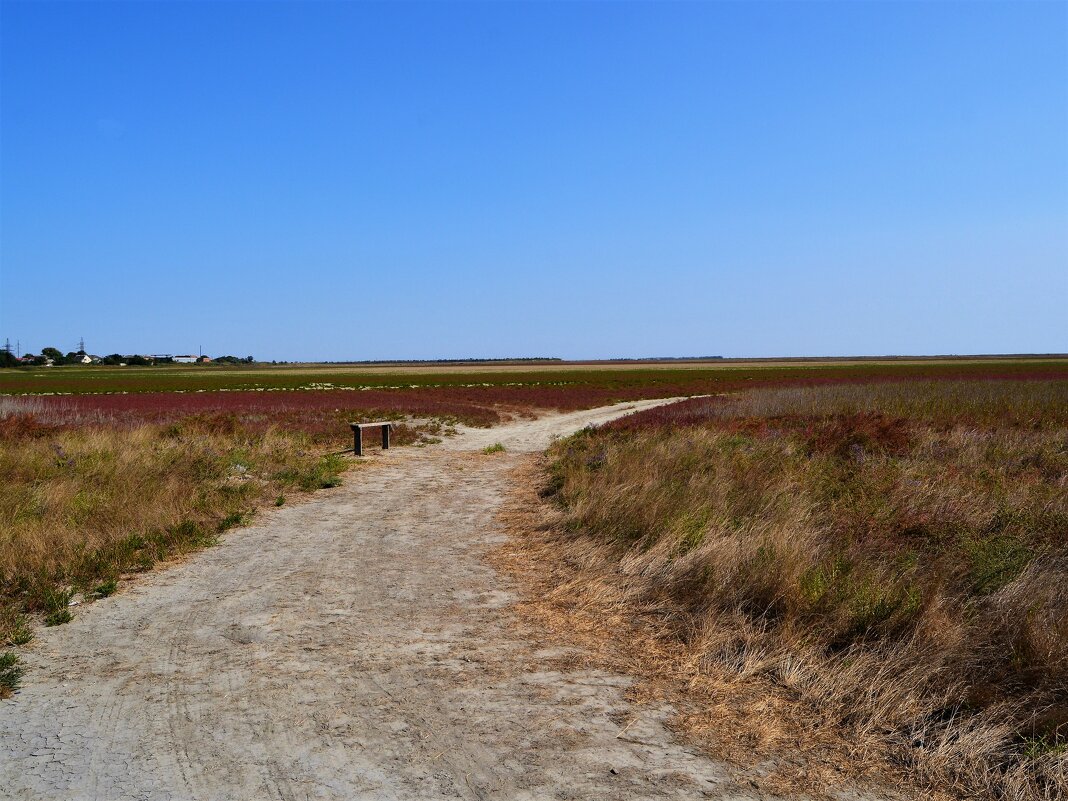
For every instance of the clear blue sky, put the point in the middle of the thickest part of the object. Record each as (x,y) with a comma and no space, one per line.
(395,180)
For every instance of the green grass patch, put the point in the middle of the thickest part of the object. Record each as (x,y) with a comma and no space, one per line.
(15,628)
(323,474)
(995,561)
(10,673)
(105,589)
(232,520)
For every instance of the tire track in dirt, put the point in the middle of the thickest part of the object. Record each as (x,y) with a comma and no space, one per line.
(355,646)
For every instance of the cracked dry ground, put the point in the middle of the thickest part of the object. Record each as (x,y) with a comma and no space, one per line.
(355,646)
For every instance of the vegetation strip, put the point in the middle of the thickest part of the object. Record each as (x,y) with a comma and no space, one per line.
(699,377)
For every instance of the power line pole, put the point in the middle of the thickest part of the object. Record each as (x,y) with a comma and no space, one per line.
(81,344)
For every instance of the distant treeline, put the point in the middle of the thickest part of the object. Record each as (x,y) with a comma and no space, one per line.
(55,357)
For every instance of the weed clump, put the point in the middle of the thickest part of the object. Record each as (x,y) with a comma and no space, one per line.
(232,520)
(10,673)
(56,602)
(15,628)
(322,474)
(105,589)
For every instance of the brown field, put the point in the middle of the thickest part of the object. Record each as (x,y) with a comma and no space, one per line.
(889,560)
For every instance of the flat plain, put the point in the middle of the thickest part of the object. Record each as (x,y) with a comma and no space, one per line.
(792,534)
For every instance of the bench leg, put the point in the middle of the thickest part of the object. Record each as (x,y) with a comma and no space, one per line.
(357,441)
(385,438)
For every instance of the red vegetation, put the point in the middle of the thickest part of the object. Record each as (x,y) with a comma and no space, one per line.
(324,412)
(848,435)
(23,426)
(479,406)
(320,413)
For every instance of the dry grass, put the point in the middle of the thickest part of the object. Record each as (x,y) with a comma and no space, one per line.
(91,497)
(81,506)
(573,595)
(891,559)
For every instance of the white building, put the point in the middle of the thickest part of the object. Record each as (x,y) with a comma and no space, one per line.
(186,359)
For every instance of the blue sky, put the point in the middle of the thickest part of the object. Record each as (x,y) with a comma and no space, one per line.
(360,181)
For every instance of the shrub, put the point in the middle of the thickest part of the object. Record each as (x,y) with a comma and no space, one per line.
(106,588)
(10,673)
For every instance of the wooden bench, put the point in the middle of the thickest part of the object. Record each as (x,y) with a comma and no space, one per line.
(357,435)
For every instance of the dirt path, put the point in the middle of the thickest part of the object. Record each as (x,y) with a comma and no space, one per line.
(356,646)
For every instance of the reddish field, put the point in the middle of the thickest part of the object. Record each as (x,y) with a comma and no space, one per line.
(324,413)
(975,402)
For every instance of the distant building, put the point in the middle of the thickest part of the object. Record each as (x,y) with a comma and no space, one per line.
(185,359)
(204,359)
(85,358)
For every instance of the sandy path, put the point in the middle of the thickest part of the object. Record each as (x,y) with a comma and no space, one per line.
(355,646)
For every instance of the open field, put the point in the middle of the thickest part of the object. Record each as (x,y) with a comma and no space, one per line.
(701,377)
(817,526)
(890,559)
(356,646)
(88,476)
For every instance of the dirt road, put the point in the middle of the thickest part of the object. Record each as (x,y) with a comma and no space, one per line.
(356,646)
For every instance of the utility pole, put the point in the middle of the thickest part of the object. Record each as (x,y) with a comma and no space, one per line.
(18,348)
(81,344)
